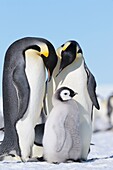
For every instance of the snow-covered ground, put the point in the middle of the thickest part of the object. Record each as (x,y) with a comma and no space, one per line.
(100,158)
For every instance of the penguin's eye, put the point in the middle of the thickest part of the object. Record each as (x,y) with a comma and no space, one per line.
(65,95)
(79,51)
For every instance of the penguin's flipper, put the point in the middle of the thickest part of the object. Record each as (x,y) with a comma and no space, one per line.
(21,85)
(44,100)
(91,85)
(39,132)
(61,135)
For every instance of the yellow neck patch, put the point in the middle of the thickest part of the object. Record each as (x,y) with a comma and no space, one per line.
(44,49)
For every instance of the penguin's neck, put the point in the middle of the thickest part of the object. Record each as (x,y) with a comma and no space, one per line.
(56,102)
(77,63)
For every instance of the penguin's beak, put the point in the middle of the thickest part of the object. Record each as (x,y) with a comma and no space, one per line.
(74,94)
(59,72)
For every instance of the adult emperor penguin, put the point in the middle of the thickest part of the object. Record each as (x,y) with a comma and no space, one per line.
(74,74)
(110,109)
(24,78)
(61,140)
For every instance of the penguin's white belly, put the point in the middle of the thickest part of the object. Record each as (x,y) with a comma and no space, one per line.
(111,102)
(35,73)
(77,81)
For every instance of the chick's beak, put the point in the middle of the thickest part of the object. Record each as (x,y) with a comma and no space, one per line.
(74,94)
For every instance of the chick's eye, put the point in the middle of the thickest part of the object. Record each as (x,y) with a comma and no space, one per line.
(65,93)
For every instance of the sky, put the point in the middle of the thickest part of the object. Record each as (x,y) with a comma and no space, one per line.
(89,22)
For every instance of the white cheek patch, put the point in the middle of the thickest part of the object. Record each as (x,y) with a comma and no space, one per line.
(65,95)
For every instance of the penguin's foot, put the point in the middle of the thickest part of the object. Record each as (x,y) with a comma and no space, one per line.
(36,159)
(56,163)
(2,129)
(10,158)
(72,160)
(41,159)
(32,160)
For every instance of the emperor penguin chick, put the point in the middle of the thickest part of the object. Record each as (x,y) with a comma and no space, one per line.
(61,139)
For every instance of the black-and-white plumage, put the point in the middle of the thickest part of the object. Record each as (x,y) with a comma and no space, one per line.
(73,73)
(24,77)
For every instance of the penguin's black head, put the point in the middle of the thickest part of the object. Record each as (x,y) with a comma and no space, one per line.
(45,50)
(68,53)
(64,94)
(50,60)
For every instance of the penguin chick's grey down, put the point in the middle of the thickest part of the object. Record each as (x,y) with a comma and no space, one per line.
(61,139)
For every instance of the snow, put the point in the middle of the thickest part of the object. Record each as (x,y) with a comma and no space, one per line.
(100,157)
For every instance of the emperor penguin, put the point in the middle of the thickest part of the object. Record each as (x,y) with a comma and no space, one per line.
(74,73)
(61,140)
(24,76)
(100,118)
(110,109)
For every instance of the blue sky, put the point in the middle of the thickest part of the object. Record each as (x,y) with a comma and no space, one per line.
(90,22)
